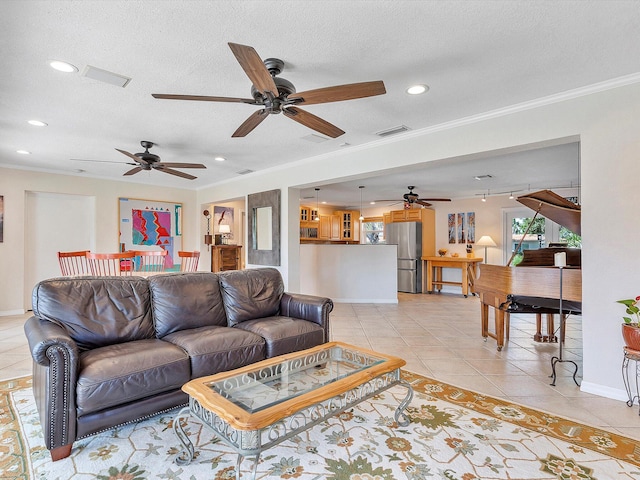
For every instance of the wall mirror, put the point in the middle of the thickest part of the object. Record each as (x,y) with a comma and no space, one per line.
(264,228)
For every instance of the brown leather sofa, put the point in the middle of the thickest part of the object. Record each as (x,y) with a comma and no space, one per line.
(113,350)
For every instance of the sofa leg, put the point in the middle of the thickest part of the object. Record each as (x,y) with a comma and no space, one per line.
(59,453)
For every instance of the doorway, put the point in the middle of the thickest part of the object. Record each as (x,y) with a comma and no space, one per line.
(54,222)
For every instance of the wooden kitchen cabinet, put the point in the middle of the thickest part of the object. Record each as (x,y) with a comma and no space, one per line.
(349,225)
(324,227)
(225,257)
(411,215)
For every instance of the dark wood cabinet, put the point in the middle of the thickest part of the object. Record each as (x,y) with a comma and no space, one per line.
(225,257)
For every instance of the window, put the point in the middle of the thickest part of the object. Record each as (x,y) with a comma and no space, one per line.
(373,231)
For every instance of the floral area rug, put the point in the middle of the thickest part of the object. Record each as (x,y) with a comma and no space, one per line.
(453,434)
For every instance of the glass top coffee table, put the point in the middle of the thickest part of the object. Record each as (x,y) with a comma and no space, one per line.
(258,406)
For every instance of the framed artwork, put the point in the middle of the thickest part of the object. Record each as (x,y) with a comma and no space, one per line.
(223,216)
(1,218)
(461,229)
(451,227)
(471,227)
(151,225)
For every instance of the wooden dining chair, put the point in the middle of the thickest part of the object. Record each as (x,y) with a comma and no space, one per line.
(149,261)
(111,264)
(189,261)
(73,263)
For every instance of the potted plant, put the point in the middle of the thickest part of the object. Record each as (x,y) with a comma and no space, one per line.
(631,325)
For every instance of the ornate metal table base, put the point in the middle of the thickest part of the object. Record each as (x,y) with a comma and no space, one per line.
(251,443)
(635,356)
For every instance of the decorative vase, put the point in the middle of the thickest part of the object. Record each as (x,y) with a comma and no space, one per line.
(631,335)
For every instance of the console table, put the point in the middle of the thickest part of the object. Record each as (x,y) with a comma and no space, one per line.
(434,265)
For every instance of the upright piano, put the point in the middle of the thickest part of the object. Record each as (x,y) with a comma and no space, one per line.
(534,285)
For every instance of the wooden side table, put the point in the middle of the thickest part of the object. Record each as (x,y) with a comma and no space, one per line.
(434,265)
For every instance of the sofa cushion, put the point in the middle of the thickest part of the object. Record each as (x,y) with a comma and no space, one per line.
(285,334)
(250,294)
(117,374)
(218,349)
(185,300)
(96,311)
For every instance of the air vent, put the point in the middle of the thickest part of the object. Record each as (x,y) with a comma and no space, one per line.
(105,76)
(315,138)
(244,172)
(393,131)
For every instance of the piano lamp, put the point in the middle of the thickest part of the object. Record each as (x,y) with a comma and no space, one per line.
(486,241)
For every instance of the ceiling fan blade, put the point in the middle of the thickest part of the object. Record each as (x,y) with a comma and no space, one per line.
(250,123)
(160,168)
(423,203)
(204,98)
(310,120)
(339,93)
(435,199)
(182,165)
(133,171)
(253,66)
(100,161)
(131,155)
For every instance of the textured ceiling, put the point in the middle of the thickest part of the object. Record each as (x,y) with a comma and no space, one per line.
(476,56)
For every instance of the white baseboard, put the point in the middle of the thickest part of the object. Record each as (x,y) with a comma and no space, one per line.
(602,391)
(7,313)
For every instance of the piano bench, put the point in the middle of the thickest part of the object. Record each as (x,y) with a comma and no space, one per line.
(548,306)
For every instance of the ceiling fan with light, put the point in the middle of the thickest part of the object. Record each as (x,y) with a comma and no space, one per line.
(149,161)
(277,95)
(411,198)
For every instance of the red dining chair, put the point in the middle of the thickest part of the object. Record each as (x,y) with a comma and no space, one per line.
(111,264)
(149,261)
(189,261)
(73,263)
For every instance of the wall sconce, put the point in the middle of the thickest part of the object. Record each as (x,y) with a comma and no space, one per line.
(208,238)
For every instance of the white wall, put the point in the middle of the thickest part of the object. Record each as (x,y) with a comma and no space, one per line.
(350,273)
(15,185)
(606,122)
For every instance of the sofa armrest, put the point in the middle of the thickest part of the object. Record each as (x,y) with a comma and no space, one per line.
(43,334)
(55,373)
(307,307)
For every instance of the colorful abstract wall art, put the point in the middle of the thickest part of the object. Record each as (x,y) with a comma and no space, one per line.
(151,225)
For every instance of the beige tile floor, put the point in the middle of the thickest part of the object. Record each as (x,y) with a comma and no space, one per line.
(439,336)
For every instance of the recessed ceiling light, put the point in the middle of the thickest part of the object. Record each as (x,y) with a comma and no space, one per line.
(372,203)
(219,159)
(63,66)
(417,89)
(36,123)
(23,152)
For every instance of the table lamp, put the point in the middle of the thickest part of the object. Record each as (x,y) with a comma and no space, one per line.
(486,241)
(224,230)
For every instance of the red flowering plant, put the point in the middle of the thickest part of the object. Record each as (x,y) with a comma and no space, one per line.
(632,309)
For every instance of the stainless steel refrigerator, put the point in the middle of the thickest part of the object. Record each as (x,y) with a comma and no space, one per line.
(408,237)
